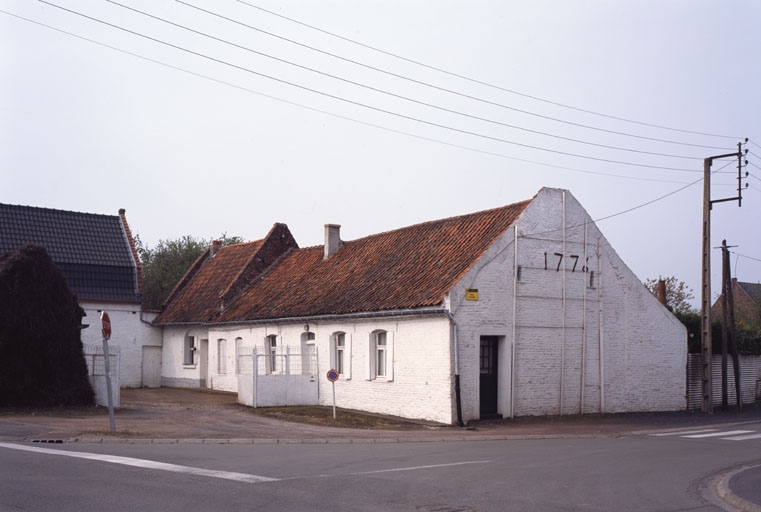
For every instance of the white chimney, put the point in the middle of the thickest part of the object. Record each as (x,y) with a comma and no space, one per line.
(332,239)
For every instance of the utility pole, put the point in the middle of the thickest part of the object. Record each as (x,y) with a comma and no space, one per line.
(729,330)
(705,316)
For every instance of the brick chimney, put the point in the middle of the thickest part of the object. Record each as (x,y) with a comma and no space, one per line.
(215,245)
(662,291)
(332,239)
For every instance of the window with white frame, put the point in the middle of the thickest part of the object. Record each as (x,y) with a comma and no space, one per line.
(340,353)
(271,347)
(381,355)
(308,354)
(221,356)
(188,349)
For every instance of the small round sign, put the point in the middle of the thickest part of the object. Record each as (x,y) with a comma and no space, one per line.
(332,375)
(106,325)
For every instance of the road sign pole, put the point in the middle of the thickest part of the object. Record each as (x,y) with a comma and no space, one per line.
(334,399)
(106,330)
(333,377)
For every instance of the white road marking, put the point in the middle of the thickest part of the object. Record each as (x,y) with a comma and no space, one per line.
(414,468)
(684,432)
(142,463)
(718,434)
(743,438)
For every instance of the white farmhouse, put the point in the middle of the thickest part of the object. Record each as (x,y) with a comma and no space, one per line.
(519,310)
(97,256)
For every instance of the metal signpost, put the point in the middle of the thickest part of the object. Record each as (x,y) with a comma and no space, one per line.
(333,377)
(106,330)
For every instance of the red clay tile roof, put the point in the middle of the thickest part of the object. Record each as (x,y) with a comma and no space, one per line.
(212,283)
(411,267)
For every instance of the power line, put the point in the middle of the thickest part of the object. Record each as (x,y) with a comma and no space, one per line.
(443,89)
(744,256)
(473,80)
(754,143)
(370,107)
(332,114)
(399,96)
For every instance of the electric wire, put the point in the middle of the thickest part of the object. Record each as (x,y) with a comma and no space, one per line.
(744,256)
(444,89)
(363,105)
(332,114)
(399,96)
(754,143)
(473,80)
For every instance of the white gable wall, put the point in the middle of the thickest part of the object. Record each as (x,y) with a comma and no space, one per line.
(128,333)
(561,321)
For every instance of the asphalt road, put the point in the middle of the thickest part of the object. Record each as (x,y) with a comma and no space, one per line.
(642,472)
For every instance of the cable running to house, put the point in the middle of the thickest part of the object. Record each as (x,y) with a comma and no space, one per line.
(443,89)
(399,96)
(332,114)
(363,105)
(487,84)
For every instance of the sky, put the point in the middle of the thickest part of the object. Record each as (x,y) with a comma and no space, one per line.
(205,117)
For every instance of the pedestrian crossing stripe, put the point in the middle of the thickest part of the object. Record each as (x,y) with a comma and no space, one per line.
(743,438)
(684,432)
(719,434)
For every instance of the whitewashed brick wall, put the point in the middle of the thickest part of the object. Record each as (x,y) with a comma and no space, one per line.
(128,333)
(561,321)
(422,364)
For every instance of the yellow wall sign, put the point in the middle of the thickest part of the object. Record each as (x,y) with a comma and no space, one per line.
(471,294)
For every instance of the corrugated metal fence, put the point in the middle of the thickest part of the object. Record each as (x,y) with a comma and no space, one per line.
(750,380)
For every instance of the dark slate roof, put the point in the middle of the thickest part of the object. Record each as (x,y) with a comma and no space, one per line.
(408,268)
(92,250)
(752,289)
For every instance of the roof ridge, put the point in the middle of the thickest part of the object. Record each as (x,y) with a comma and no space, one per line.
(434,222)
(59,210)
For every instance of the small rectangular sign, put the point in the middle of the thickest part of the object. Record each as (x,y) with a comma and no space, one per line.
(471,294)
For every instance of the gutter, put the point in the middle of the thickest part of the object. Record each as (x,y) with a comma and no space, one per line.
(314,318)
(456,343)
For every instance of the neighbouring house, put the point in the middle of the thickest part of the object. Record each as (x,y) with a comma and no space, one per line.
(747,301)
(97,256)
(520,310)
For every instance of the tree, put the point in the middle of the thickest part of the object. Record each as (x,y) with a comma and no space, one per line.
(678,294)
(166,263)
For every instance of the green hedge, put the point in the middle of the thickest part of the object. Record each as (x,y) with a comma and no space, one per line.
(748,339)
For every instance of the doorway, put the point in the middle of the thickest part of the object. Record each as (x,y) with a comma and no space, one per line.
(488,377)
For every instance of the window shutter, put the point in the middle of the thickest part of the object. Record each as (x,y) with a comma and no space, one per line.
(371,357)
(332,349)
(390,356)
(347,356)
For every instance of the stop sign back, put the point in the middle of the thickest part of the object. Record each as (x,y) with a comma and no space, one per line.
(106,325)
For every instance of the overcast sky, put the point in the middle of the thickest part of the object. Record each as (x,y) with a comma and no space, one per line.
(261,114)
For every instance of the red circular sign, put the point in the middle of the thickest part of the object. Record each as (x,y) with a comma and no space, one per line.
(332,375)
(106,325)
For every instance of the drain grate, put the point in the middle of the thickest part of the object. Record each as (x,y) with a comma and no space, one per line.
(54,441)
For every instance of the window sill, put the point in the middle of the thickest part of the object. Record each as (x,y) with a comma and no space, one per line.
(189,366)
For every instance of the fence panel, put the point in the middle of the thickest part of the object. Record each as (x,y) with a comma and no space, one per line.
(96,371)
(277,379)
(750,380)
